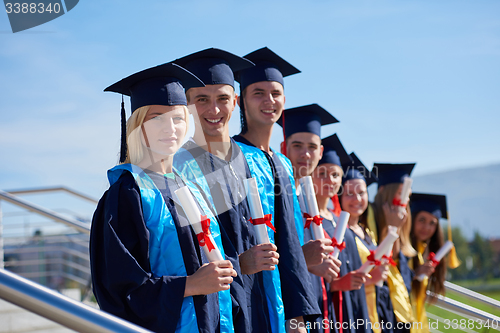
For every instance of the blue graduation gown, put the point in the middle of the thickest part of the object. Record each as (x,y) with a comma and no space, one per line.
(297,291)
(224,181)
(353,301)
(122,277)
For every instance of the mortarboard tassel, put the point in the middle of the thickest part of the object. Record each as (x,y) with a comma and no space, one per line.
(283,144)
(453,261)
(123,148)
(336,205)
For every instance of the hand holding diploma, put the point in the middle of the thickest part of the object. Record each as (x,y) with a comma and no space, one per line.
(210,278)
(259,220)
(312,216)
(387,256)
(339,233)
(262,257)
(200,224)
(405,197)
(375,257)
(437,257)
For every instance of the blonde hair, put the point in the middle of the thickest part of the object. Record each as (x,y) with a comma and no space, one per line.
(135,148)
(386,195)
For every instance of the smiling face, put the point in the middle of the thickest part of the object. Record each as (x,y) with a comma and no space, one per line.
(163,130)
(304,151)
(424,226)
(264,102)
(354,199)
(327,178)
(214,106)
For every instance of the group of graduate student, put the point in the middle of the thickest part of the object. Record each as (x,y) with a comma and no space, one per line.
(149,265)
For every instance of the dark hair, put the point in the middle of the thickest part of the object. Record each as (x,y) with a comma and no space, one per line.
(436,280)
(363,218)
(243,118)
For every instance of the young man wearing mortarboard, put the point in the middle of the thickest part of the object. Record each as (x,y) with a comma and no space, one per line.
(261,102)
(215,162)
(303,146)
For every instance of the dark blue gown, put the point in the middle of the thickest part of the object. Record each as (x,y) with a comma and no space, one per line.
(122,279)
(297,291)
(353,301)
(383,300)
(316,281)
(225,182)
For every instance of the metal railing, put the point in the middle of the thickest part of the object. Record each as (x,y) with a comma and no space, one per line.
(462,309)
(54,189)
(472,295)
(81,227)
(58,308)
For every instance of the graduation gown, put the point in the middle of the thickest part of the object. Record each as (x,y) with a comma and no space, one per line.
(353,301)
(224,181)
(281,199)
(323,295)
(138,233)
(399,281)
(418,296)
(377,298)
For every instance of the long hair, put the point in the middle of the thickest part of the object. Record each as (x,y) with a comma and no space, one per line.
(436,280)
(135,148)
(386,195)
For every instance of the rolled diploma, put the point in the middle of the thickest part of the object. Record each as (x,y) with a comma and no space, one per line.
(405,193)
(256,209)
(384,247)
(194,217)
(439,256)
(312,205)
(339,232)
(392,229)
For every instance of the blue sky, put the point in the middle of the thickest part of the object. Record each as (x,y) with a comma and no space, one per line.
(410,81)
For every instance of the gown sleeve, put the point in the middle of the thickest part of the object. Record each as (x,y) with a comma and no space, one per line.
(121,275)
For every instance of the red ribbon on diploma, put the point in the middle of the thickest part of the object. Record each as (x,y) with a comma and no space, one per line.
(397,202)
(263,220)
(339,246)
(372,260)
(318,220)
(431,257)
(389,259)
(203,237)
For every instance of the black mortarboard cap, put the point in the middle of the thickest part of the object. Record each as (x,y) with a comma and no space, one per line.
(357,170)
(431,203)
(307,118)
(160,85)
(268,67)
(214,66)
(392,173)
(333,151)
